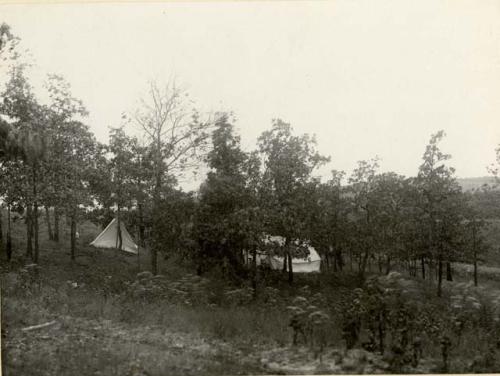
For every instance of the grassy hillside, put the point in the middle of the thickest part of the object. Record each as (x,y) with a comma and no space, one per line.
(102,318)
(98,330)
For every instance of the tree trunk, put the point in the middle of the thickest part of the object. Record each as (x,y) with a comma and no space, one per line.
(142,228)
(56,224)
(449,276)
(327,263)
(339,260)
(156,201)
(474,249)
(35,231)
(388,265)
(363,263)
(413,270)
(139,252)
(254,272)
(440,275)
(9,235)
(49,225)
(422,263)
(1,232)
(154,260)
(119,239)
(35,214)
(29,232)
(142,235)
(287,261)
(73,237)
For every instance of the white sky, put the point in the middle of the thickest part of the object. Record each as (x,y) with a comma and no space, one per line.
(367,77)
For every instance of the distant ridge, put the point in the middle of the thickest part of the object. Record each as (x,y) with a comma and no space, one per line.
(469,184)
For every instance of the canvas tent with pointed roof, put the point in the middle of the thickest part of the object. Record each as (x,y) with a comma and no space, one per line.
(109,238)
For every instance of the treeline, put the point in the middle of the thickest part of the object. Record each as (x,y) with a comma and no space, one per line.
(52,167)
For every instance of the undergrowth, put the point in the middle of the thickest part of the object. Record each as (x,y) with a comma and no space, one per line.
(398,319)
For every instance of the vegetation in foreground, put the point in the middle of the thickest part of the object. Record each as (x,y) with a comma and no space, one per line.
(105,318)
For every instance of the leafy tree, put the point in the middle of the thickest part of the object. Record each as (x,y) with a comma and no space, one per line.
(414,240)
(122,181)
(473,238)
(329,229)
(442,204)
(29,134)
(289,162)
(77,147)
(7,39)
(9,54)
(362,196)
(177,211)
(12,185)
(62,108)
(9,148)
(121,171)
(228,210)
(391,203)
(487,202)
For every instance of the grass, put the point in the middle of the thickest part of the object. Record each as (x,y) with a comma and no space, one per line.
(154,337)
(105,328)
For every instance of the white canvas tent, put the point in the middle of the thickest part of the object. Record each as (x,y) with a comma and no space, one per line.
(310,264)
(109,238)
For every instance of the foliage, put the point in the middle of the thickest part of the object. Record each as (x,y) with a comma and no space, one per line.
(228,217)
(287,184)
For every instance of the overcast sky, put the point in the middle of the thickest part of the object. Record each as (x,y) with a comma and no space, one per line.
(367,77)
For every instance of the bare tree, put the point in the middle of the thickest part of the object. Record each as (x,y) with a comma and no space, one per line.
(176,139)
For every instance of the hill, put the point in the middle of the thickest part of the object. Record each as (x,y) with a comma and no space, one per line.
(98,316)
(469,184)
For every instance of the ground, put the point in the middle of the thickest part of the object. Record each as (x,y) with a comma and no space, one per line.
(105,319)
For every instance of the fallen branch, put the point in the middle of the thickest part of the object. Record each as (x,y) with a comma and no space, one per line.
(40,326)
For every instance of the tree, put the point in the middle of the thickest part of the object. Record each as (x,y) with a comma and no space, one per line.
(328,230)
(122,171)
(9,54)
(123,182)
(176,213)
(362,195)
(392,208)
(7,40)
(175,137)
(289,162)
(13,186)
(77,147)
(29,134)
(441,204)
(62,108)
(9,149)
(227,215)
